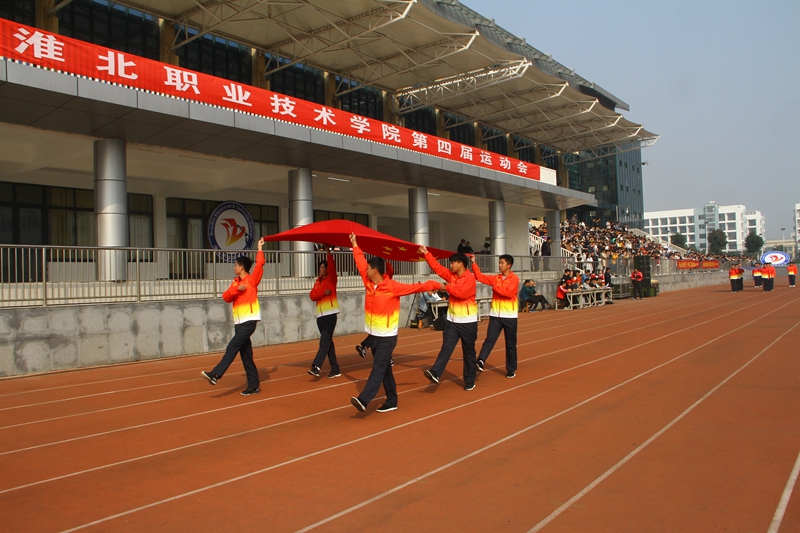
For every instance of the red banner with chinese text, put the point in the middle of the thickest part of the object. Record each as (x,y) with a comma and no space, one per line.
(686,264)
(44,49)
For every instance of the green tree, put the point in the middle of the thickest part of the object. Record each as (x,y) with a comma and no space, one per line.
(753,243)
(678,239)
(717,241)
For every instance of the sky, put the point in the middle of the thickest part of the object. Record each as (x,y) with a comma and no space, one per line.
(718,81)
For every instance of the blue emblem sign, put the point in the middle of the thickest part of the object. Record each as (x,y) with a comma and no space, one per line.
(231,229)
(776,258)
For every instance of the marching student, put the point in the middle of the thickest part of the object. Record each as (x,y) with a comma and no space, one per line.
(503,314)
(324,294)
(768,277)
(381,319)
(243,295)
(462,317)
(735,274)
(757,275)
(361,348)
(791,270)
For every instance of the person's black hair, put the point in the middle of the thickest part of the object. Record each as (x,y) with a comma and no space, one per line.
(244,262)
(508,259)
(323,262)
(460,258)
(378,264)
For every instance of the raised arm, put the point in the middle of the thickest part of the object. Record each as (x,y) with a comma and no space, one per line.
(402,289)
(438,269)
(258,270)
(361,261)
(483,278)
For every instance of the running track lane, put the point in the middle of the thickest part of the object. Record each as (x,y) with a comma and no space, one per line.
(515,480)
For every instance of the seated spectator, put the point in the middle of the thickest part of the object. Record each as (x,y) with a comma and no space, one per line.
(530,298)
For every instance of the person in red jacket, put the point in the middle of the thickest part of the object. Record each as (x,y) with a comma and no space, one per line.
(791,270)
(757,275)
(503,313)
(381,320)
(636,283)
(243,294)
(768,277)
(462,317)
(361,348)
(324,294)
(735,274)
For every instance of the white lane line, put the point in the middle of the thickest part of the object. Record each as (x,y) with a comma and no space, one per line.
(428,417)
(537,424)
(777,518)
(125,406)
(102,467)
(555,514)
(255,402)
(263,359)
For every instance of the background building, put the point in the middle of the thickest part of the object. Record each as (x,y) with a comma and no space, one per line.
(696,224)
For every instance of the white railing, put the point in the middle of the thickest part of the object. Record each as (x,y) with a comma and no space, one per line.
(52,275)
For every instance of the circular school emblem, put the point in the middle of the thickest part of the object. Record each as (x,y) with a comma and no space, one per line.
(776,257)
(231,229)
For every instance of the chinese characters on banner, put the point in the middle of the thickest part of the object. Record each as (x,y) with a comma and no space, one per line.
(687,264)
(48,50)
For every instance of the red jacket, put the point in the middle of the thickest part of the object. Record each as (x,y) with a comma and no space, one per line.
(462,307)
(505,301)
(245,303)
(382,304)
(326,304)
(637,276)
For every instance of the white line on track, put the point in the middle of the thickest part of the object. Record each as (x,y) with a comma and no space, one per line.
(271,381)
(569,409)
(428,417)
(308,391)
(261,359)
(777,518)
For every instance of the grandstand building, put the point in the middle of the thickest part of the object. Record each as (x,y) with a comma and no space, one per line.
(534,138)
(796,218)
(132,132)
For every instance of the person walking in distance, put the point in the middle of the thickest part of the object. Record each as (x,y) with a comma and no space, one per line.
(324,294)
(462,317)
(636,283)
(503,313)
(791,270)
(243,295)
(757,276)
(381,320)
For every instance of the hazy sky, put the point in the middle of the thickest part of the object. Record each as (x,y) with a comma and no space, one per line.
(719,81)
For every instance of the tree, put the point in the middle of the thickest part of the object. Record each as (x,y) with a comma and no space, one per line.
(753,243)
(717,241)
(678,239)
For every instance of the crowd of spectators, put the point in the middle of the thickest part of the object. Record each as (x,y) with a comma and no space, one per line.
(592,243)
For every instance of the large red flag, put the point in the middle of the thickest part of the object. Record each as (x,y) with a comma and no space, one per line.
(337,233)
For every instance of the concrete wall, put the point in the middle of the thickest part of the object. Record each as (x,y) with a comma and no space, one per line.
(56,338)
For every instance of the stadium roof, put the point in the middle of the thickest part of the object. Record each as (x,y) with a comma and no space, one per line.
(427,53)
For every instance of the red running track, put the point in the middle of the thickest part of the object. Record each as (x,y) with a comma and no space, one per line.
(676,413)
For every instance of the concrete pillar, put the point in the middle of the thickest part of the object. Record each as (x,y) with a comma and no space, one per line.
(111,208)
(419,226)
(554,232)
(497,227)
(301,213)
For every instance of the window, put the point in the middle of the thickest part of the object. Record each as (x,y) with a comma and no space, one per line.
(751,223)
(683,230)
(461,130)
(682,220)
(722,217)
(732,236)
(108,24)
(298,80)
(731,225)
(691,220)
(495,140)
(664,222)
(647,223)
(60,216)
(423,120)
(673,220)
(215,56)
(360,100)
(731,216)
(337,215)
(187,222)
(19,11)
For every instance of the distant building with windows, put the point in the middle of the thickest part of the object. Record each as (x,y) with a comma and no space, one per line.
(735,220)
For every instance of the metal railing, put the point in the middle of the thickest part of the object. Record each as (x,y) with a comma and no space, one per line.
(52,275)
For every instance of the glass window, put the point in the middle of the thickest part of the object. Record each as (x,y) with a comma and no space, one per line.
(683,230)
(424,121)
(731,216)
(108,24)
(732,236)
(691,220)
(215,56)
(682,220)
(751,223)
(664,222)
(298,80)
(360,99)
(673,220)
(722,217)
